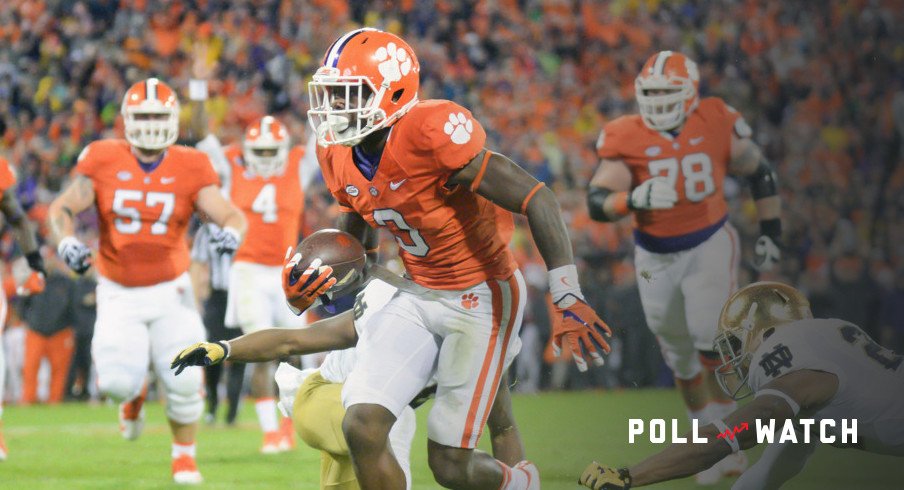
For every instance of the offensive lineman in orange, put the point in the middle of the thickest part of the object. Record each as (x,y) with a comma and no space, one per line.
(263,178)
(666,166)
(420,170)
(25,235)
(145,189)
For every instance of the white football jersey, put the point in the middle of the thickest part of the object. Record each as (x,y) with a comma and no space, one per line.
(870,378)
(338,364)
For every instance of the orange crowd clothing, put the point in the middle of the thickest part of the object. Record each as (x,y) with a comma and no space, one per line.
(7,176)
(695,161)
(448,238)
(144,214)
(273,207)
(57,348)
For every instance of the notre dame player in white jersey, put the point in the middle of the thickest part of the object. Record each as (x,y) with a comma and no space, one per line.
(796,367)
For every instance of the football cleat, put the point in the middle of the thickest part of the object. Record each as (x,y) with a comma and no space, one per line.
(286,435)
(271,444)
(131,417)
(533,474)
(185,471)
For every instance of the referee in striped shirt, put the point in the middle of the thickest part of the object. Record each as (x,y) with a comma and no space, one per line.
(203,253)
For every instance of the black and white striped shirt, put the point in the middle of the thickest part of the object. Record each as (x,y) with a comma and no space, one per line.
(203,250)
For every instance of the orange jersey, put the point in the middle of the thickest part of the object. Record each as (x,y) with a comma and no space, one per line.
(144,215)
(273,207)
(695,161)
(448,238)
(7,176)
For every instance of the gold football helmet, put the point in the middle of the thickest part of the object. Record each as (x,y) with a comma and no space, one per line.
(750,315)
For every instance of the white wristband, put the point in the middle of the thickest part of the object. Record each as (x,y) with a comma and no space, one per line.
(795,407)
(564,280)
(227,348)
(729,436)
(197,89)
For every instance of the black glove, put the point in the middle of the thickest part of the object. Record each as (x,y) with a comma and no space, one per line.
(200,354)
(36,262)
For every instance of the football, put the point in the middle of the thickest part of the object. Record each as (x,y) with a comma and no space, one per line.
(339,250)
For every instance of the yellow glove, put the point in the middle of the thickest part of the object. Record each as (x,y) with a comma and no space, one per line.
(200,354)
(600,477)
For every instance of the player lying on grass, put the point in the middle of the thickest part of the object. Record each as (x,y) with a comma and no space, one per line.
(796,367)
(317,411)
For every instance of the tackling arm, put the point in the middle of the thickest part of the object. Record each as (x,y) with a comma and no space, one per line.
(333,333)
(780,399)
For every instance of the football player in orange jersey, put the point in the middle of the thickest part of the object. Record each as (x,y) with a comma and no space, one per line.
(145,189)
(25,235)
(666,166)
(263,178)
(420,170)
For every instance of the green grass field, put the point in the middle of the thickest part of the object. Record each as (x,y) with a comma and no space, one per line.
(78,446)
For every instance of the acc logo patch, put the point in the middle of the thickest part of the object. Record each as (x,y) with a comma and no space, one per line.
(653,151)
(124,175)
(351,190)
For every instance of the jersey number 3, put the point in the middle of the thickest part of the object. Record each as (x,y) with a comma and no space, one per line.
(697,169)
(128,218)
(409,238)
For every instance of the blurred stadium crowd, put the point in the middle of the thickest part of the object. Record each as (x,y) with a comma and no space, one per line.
(821,83)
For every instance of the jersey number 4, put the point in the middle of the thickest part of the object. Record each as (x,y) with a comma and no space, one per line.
(265,203)
(128,220)
(409,238)
(697,169)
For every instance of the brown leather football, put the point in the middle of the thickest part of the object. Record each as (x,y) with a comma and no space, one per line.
(338,249)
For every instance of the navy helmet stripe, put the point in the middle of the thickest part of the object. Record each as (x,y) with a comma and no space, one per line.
(332,58)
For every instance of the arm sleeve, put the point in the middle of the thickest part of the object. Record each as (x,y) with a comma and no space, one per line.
(454,135)
(7,176)
(778,464)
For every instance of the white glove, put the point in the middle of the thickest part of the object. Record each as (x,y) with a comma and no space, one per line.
(766,253)
(226,240)
(75,254)
(655,193)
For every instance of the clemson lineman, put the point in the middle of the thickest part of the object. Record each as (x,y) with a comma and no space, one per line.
(263,177)
(145,189)
(666,166)
(25,235)
(420,170)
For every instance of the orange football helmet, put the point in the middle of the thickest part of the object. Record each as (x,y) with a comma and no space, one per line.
(150,111)
(369,79)
(266,147)
(666,90)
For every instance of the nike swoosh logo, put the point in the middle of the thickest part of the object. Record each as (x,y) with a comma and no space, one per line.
(167,180)
(565,282)
(696,141)
(396,185)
